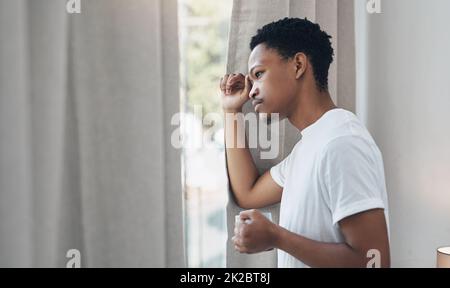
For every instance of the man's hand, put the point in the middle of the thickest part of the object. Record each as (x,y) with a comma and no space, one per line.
(255,233)
(235,89)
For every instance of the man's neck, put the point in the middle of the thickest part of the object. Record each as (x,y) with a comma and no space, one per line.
(309,109)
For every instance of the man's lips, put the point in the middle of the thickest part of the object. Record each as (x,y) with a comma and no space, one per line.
(256,102)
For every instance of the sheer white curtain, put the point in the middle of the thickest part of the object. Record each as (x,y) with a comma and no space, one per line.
(85,154)
(335,17)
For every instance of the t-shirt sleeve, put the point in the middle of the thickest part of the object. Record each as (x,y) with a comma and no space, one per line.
(350,174)
(278,172)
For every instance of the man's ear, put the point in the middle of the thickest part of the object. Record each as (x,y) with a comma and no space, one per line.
(301,63)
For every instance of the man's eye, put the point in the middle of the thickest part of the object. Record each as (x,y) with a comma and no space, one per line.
(258,74)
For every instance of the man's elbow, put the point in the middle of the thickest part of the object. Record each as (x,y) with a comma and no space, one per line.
(375,258)
(242,200)
(243,204)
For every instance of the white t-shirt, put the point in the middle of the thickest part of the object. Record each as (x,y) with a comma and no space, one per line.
(334,171)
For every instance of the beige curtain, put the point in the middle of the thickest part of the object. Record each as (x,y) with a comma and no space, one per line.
(335,17)
(85,156)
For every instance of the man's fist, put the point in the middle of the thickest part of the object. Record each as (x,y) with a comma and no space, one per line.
(235,89)
(255,233)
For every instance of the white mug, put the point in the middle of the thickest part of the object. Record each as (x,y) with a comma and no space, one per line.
(237,219)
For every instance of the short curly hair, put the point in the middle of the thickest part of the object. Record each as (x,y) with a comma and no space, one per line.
(290,36)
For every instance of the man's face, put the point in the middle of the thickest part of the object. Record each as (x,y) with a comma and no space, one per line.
(273,81)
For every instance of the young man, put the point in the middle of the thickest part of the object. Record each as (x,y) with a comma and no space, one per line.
(332,190)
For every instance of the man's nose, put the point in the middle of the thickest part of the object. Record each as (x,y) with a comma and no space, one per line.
(253,92)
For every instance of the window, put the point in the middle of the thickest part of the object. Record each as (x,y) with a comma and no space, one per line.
(204,26)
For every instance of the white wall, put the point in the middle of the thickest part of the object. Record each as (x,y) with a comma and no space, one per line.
(404,97)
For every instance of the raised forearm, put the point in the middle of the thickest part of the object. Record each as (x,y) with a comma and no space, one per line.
(241,168)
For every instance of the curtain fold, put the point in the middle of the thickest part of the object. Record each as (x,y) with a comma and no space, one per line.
(335,17)
(85,155)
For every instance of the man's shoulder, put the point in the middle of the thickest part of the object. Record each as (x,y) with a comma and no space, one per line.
(350,132)
(348,143)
